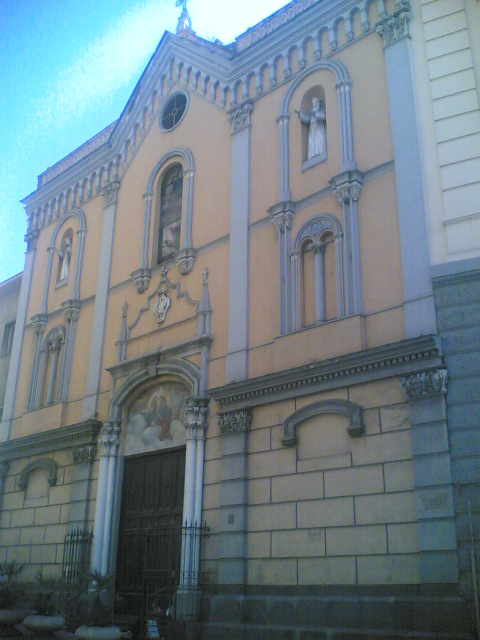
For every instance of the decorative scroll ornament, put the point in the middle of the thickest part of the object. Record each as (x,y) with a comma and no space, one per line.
(394,26)
(195,416)
(109,192)
(235,421)
(240,116)
(426,383)
(161,307)
(31,239)
(86,453)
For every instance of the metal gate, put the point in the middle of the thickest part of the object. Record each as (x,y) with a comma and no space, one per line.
(172,590)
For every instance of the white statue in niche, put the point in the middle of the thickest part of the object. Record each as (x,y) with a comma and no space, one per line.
(316,120)
(65,256)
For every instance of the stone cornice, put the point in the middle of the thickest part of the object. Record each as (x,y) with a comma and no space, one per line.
(400,358)
(76,435)
(184,349)
(222,66)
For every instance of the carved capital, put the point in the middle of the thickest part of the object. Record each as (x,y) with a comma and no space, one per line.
(31,239)
(148,195)
(195,417)
(39,322)
(283,119)
(343,85)
(347,186)
(71,309)
(109,193)
(109,436)
(141,279)
(394,26)
(426,383)
(185,260)
(235,421)
(302,63)
(318,247)
(281,216)
(86,453)
(239,116)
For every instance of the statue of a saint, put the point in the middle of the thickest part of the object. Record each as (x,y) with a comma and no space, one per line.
(65,256)
(316,121)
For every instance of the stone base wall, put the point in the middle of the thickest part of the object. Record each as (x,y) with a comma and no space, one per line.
(457,298)
(334,613)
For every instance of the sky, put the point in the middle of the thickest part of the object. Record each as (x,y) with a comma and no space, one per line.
(67,69)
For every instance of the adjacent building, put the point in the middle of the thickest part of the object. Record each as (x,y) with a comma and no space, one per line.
(229,315)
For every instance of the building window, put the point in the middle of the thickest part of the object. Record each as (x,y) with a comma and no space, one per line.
(8,338)
(173,111)
(170,217)
(317,270)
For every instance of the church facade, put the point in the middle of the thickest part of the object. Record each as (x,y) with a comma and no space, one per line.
(227,317)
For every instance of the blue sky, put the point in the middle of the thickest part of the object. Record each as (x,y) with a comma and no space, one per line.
(67,68)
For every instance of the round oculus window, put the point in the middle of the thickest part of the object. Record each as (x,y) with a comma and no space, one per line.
(173,111)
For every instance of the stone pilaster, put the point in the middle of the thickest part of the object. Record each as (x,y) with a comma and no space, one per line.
(234,427)
(236,366)
(437,543)
(110,193)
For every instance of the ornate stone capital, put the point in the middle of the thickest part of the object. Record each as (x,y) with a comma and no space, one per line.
(39,322)
(109,436)
(185,260)
(239,116)
(394,26)
(318,247)
(141,279)
(86,453)
(343,84)
(426,383)
(195,416)
(109,192)
(347,186)
(281,216)
(31,239)
(234,421)
(71,309)
(283,118)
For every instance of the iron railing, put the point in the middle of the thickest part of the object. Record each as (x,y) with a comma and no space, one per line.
(75,564)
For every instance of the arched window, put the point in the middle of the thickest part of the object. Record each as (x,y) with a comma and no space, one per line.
(65,257)
(169,206)
(51,366)
(317,273)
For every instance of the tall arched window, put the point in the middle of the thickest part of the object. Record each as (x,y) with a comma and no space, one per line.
(317,273)
(169,205)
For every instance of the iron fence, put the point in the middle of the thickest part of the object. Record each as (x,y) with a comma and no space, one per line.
(173,575)
(75,564)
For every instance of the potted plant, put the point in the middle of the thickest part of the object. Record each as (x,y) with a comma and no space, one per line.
(44,599)
(11,595)
(96,606)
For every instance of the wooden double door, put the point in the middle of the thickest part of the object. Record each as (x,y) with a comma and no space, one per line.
(150,532)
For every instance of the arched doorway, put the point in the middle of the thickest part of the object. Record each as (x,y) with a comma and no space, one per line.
(150,528)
